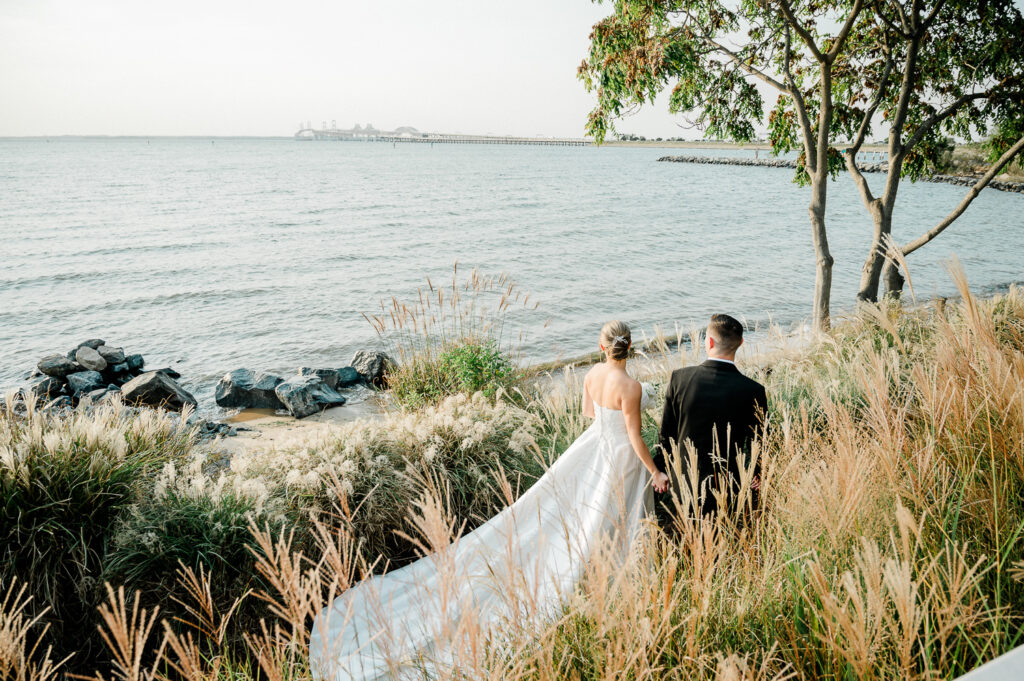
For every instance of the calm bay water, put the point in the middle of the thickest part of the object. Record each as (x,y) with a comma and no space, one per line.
(210,255)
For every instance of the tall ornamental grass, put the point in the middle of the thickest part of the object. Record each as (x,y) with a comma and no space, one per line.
(66,479)
(380,465)
(452,338)
(887,542)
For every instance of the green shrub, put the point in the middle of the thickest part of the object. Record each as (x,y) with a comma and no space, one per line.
(467,367)
(473,367)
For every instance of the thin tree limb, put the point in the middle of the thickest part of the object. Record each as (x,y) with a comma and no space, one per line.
(733,57)
(841,38)
(940,116)
(851,151)
(934,13)
(798,102)
(804,34)
(996,168)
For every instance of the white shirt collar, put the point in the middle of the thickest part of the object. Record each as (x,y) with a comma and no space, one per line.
(718,359)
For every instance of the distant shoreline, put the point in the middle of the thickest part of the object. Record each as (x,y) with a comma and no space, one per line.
(760,146)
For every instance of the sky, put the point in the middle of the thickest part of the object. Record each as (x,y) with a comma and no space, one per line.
(228,67)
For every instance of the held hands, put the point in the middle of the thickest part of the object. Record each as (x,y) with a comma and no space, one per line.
(660,482)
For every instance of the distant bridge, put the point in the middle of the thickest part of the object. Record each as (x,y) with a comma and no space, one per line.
(333,134)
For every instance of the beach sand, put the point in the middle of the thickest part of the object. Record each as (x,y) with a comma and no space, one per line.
(268,428)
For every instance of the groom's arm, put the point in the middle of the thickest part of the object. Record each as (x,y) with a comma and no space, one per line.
(669,432)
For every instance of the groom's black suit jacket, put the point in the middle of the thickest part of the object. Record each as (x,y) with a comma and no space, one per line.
(709,404)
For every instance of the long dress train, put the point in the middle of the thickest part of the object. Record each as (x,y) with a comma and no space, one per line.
(520,563)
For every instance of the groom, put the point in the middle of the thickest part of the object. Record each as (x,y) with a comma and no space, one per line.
(716,410)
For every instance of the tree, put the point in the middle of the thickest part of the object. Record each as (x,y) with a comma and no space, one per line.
(933,69)
(646,44)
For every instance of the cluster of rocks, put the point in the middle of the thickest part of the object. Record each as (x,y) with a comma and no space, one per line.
(960,180)
(97,372)
(308,392)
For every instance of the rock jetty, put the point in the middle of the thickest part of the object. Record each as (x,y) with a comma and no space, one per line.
(308,392)
(96,372)
(961,180)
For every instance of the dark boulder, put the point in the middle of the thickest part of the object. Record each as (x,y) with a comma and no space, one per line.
(167,371)
(43,387)
(92,343)
(135,362)
(306,395)
(334,378)
(111,355)
(248,389)
(60,404)
(84,382)
(156,389)
(58,366)
(373,366)
(103,395)
(348,376)
(90,359)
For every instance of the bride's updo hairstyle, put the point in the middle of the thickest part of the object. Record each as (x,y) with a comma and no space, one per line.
(615,337)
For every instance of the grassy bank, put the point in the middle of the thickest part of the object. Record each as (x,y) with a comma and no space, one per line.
(888,542)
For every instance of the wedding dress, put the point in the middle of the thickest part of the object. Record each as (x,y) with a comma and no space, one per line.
(520,564)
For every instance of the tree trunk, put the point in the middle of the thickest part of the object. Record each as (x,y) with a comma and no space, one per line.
(823,258)
(871,274)
(893,280)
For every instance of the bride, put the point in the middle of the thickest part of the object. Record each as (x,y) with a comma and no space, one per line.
(519,564)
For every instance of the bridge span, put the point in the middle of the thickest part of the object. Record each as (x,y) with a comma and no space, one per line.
(335,135)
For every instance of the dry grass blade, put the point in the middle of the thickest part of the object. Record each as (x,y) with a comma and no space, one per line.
(127,637)
(21,658)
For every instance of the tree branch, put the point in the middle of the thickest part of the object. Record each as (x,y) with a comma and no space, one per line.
(907,28)
(733,57)
(889,22)
(971,195)
(934,13)
(841,38)
(940,116)
(798,102)
(851,151)
(862,131)
(800,30)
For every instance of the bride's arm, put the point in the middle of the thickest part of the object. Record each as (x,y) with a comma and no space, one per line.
(588,403)
(631,413)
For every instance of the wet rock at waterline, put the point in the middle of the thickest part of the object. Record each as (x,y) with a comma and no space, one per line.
(248,389)
(304,396)
(156,389)
(372,365)
(348,376)
(334,378)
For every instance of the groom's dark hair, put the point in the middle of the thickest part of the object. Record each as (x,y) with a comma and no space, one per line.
(727,332)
